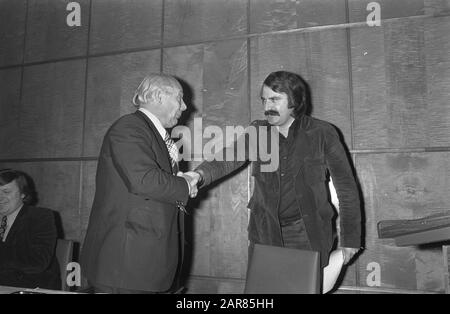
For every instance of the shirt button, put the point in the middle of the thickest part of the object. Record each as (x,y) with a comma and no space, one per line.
(282,174)
(284,157)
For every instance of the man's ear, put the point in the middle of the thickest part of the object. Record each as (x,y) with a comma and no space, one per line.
(157,96)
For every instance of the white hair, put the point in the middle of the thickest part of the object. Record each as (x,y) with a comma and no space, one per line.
(152,83)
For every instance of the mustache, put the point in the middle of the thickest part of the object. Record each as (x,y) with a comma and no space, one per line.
(271,113)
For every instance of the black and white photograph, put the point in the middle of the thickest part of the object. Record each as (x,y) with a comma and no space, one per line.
(227,153)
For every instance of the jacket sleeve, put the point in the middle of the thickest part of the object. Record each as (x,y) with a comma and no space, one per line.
(221,165)
(346,189)
(134,157)
(34,251)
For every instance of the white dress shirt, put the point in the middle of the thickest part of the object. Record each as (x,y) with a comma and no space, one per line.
(10,221)
(162,131)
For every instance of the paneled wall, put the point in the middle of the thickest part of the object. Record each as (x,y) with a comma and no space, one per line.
(387,88)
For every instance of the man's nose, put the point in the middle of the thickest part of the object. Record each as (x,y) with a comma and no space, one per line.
(183,106)
(268,106)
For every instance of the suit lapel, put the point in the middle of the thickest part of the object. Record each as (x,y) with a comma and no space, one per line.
(17,223)
(302,146)
(162,145)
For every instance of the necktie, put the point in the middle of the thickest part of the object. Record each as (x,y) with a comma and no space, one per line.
(173,152)
(3,225)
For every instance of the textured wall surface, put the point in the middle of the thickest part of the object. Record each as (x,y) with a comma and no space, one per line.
(387,89)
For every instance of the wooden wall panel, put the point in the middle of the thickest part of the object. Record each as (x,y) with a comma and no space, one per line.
(9,111)
(403,186)
(307,54)
(112,81)
(189,21)
(437,7)
(89,170)
(371,109)
(12,31)
(225,83)
(390,91)
(329,79)
(437,44)
(275,15)
(48,35)
(317,13)
(229,247)
(120,24)
(225,103)
(58,186)
(186,64)
(51,113)
(389,9)
(272,15)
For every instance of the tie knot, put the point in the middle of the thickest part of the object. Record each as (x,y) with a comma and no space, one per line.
(4,220)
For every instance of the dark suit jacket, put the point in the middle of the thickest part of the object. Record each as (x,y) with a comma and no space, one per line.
(318,149)
(132,240)
(27,258)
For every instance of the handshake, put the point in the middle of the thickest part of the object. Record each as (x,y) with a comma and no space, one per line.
(193,179)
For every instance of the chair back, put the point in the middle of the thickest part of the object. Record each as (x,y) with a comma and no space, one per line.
(64,254)
(279,270)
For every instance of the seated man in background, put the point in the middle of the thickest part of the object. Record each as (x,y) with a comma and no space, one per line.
(27,237)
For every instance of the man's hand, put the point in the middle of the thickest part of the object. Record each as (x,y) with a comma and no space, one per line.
(191,178)
(348,253)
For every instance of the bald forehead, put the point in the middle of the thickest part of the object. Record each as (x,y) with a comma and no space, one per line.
(163,82)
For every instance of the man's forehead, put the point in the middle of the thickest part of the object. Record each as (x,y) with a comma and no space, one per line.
(10,185)
(270,92)
(175,89)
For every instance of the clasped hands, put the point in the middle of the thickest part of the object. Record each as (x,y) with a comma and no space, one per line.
(192,178)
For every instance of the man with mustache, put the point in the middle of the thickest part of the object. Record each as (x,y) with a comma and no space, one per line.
(290,206)
(134,241)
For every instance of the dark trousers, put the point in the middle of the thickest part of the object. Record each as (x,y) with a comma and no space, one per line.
(295,236)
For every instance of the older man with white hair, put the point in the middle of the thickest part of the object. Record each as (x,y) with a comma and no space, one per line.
(133,242)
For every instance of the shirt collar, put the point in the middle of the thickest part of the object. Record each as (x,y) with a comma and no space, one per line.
(162,131)
(13,215)
(292,128)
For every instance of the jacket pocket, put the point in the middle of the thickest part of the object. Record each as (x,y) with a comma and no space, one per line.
(141,222)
